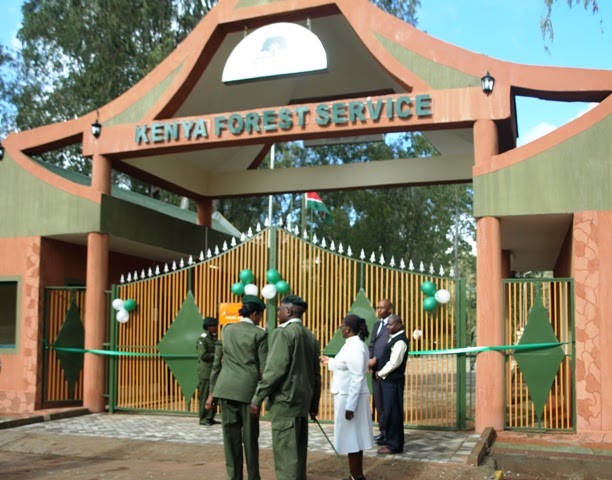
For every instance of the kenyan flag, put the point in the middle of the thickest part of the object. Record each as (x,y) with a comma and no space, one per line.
(314,202)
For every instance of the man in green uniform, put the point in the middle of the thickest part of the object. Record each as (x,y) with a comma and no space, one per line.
(236,370)
(292,381)
(206,354)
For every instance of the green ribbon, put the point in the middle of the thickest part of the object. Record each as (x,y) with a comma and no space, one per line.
(496,348)
(115,353)
(448,351)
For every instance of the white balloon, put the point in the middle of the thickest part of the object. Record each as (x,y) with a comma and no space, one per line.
(251,289)
(122,316)
(118,304)
(269,291)
(442,296)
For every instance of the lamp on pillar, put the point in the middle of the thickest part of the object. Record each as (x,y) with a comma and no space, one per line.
(96,128)
(1,151)
(487,82)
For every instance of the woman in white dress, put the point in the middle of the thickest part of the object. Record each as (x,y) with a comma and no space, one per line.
(352,415)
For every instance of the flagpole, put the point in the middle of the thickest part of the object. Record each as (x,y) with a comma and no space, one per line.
(304,214)
(270,196)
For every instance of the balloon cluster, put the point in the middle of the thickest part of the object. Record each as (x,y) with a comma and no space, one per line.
(123,309)
(276,284)
(245,286)
(433,296)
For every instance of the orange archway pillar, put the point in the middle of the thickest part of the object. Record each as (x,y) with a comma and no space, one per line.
(489,295)
(95,299)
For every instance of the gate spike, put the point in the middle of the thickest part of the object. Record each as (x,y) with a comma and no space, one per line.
(216,250)
(340,249)
(296,230)
(372,258)
(280,222)
(129,277)
(323,243)
(249,233)
(233,242)
(201,257)
(173,265)
(421,267)
(402,264)
(332,246)
(135,275)
(382,259)
(258,227)
(441,273)
(181,264)
(305,235)
(315,240)
(362,255)
(411,266)
(432,270)
(243,237)
(349,252)
(224,247)
(122,279)
(208,253)
(267,222)
(392,262)
(190,261)
(452,272)
(156,269)
(143,274)
(166,269)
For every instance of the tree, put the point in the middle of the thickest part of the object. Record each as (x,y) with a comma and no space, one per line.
(546,21)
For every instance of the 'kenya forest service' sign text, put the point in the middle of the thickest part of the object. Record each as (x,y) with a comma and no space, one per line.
(324,114)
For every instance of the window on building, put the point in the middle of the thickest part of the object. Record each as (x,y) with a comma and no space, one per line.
(8,314)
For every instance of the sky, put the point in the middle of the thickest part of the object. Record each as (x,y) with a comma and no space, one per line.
(508,30)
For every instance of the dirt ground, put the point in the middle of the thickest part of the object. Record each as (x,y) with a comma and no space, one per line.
(39,456)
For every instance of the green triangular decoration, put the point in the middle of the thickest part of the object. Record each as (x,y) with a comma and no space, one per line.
(539,367)
(71,335)
(180,339)
(362,307)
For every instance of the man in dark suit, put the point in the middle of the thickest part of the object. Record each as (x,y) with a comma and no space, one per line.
(378,342)
(392,372)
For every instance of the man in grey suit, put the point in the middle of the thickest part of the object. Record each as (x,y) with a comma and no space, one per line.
(237,368)
(378,342)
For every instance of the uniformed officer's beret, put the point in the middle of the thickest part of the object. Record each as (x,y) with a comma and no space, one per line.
(253,299)
(295,300)
(210,322)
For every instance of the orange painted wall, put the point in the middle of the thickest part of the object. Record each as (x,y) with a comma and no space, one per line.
(19,369)
(592,272)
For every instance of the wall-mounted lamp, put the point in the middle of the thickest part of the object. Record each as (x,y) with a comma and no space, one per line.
(96,128)
(1,151)
(488,82)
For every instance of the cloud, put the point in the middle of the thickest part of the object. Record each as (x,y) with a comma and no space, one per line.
(536,132)
(544,128)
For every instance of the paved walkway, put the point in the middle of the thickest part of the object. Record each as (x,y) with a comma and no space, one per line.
(421,445)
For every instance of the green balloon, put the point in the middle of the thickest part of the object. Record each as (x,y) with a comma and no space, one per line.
(428,288)
(282,287)
(238,289)
(429,304)
(246,276)
(273,276)
(129,305)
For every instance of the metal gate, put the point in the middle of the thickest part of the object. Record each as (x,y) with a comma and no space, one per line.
(540,386)
(62,379)
(143,377)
